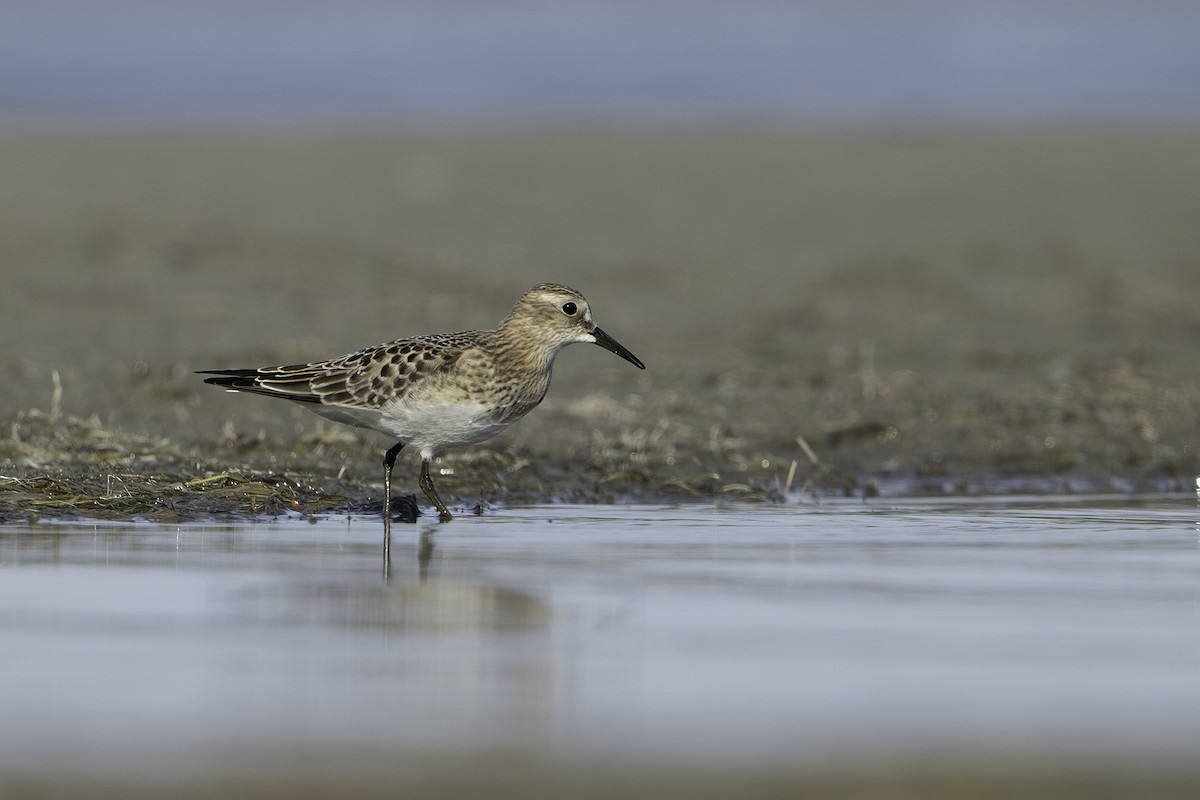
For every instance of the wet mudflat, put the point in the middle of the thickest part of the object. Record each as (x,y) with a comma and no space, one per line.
(919,647)
(939,306)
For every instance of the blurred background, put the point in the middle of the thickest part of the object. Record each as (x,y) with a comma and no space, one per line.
(214,63)
(828,216)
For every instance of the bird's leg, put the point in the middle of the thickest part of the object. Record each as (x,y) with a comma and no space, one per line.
(431,493)
(389,461)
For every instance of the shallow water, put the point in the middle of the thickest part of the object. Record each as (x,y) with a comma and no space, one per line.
(726,637)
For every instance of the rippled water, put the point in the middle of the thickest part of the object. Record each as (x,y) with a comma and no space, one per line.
(727,636)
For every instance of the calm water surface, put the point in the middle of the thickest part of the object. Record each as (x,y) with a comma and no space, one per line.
(722,636)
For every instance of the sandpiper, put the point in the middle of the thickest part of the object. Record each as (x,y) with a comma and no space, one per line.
(441,390)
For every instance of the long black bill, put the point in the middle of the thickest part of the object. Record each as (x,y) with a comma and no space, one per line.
(611,344)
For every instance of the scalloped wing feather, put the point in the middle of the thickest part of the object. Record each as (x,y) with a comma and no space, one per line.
(366,379)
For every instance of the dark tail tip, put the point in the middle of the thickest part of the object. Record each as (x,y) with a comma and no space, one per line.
(230,378)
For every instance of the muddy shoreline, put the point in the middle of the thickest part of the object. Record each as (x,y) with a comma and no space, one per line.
(924,312)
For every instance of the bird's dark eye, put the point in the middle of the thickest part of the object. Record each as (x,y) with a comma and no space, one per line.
(569,309)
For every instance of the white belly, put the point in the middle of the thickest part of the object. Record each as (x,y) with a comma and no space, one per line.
(431,427)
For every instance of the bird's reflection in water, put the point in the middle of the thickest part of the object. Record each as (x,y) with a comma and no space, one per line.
(424,551)
(399,602)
